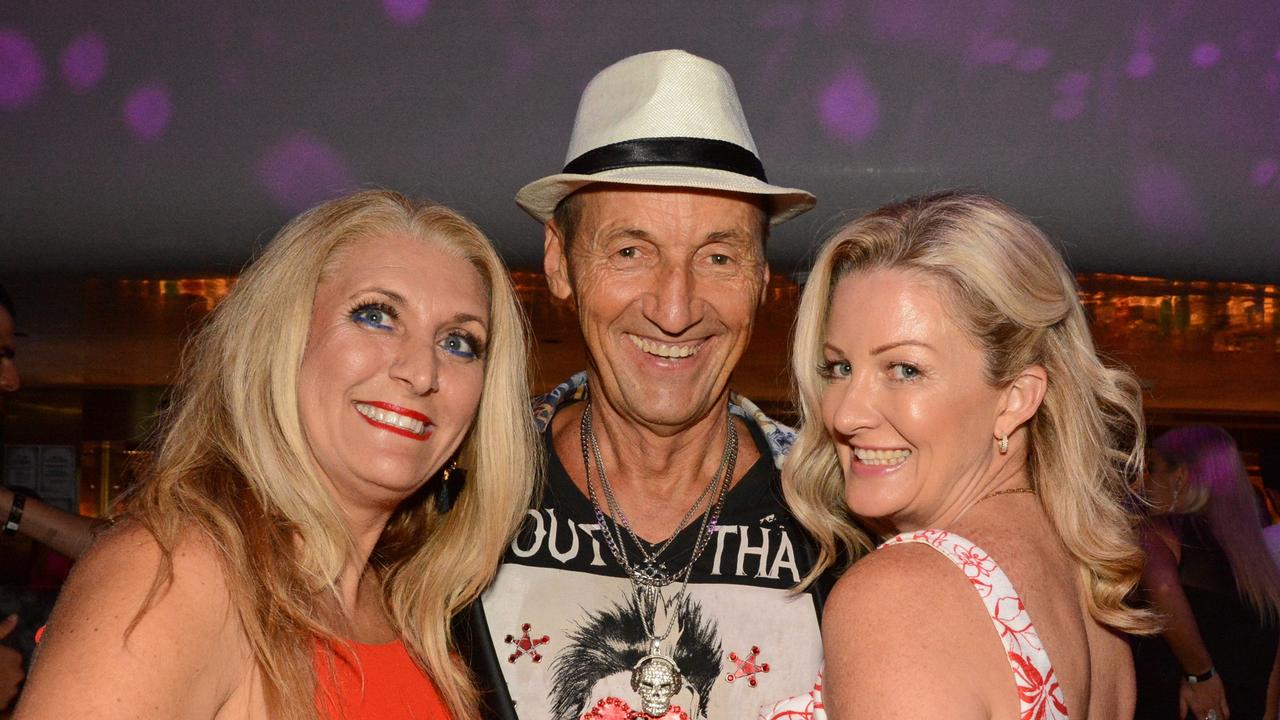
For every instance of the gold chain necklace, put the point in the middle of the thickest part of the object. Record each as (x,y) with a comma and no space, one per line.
(1007,491)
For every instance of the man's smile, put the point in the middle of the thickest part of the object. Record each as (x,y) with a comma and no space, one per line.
(666,350)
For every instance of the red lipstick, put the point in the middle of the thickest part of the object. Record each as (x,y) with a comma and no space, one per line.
(413,414)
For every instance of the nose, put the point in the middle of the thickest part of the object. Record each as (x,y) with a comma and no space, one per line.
(674,305)
(852,406)
(417,366)
(10,381)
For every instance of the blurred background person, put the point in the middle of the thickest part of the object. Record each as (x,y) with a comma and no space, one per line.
(33,572)
(11,660)
(1269,473)
(64,532)
(950,390)
(10,380)
(1211,579)
(289,554)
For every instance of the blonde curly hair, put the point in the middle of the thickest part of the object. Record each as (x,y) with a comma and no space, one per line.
(1011,291)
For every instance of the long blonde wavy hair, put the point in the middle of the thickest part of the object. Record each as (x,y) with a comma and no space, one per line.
(233,462)
(1011,291)
(1218,489)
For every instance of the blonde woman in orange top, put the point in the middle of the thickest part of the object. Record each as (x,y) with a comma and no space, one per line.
(289,555)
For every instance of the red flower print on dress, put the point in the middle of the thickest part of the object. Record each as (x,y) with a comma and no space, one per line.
(1038,691)
(801,707)
(1039,695)
(977,566)
(1015,626)
(936,538)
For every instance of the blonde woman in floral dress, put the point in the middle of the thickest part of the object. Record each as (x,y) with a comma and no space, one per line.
(951,396)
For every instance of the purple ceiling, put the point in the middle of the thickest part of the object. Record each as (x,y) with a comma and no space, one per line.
(160,137)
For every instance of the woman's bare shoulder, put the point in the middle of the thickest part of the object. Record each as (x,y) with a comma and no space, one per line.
(127,560)
(905,635)
(889,577)
(114,648)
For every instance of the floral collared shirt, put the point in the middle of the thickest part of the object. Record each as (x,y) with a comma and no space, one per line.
(779,437)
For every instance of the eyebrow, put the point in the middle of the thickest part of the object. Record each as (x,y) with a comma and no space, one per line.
(713,236)
(890,346)
(392,295)
(396,297)
(726,235)
(468,317)
(628,232)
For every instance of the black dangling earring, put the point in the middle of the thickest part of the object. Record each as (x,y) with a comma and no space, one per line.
(452,479)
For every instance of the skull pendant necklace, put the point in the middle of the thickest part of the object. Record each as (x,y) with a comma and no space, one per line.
(655,677)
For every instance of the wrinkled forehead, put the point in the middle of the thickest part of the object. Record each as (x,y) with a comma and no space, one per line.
(670,213)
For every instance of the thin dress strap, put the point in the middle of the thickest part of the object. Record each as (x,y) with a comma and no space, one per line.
(1039,694)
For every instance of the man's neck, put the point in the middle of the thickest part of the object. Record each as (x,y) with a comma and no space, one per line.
(655,476)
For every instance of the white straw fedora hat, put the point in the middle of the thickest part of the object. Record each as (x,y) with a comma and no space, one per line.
(665,118)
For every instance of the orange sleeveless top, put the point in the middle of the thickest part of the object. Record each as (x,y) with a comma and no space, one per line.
(378,682)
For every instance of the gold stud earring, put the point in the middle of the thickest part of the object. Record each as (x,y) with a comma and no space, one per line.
(1004,444)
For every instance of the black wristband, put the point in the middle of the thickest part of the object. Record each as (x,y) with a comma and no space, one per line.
(1202,677)
(15,512)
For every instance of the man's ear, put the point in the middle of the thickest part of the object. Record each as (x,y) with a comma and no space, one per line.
(1022,399)
(555,262)
(764,289)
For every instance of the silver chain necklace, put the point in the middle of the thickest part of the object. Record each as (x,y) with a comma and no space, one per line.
(656,677)
(651,571)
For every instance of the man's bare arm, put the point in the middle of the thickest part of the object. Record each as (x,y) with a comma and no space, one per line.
(68,533)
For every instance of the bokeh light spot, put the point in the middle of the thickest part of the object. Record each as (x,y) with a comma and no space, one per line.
(1141,64)
(84,62)
(1074,84)
(1165,204)
(21,70)
(405,12)
(1206,55)
(302,170)
(1264,171)
(849,108)
(1071,91)
(147,112)
(1031,60)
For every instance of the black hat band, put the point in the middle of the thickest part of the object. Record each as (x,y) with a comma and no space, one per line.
(680,151)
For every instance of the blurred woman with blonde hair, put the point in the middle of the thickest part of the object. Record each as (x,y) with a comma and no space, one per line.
(290,554)
(1210,577)
(951,395)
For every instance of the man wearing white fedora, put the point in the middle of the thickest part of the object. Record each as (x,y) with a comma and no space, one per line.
(652,577)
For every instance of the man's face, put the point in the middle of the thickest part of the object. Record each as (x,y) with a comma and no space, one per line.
(9,380)
(666,284)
